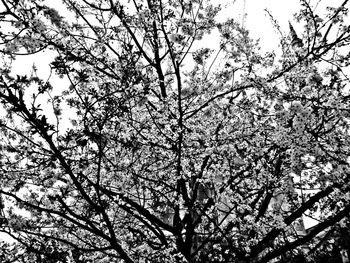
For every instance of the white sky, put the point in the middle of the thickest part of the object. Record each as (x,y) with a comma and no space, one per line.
(256,21)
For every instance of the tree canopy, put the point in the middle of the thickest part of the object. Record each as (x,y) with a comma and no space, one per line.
(162,148)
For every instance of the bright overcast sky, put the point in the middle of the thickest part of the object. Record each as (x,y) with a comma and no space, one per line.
(257,22)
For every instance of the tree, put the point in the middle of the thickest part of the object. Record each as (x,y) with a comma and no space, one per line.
(159,150)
